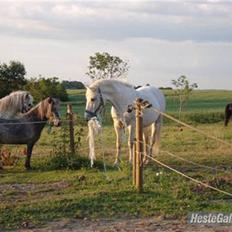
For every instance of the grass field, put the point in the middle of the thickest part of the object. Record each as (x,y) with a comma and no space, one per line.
(47,193)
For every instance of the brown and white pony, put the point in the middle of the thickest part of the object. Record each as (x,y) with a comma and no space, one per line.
(28,127)
(228,113)
(15,103)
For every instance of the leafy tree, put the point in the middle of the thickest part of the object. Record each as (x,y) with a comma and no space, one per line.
(183,90)
(105,66)
(12,77)
(43,87)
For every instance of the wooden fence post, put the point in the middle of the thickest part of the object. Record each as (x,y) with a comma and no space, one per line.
(71,128)
(134,163)
(139,146)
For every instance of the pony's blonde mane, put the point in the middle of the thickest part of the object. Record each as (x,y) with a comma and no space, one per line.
(12,104)
(40,109)
(98,83)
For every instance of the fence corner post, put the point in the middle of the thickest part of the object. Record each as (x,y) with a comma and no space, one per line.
(139,146)
(71,128)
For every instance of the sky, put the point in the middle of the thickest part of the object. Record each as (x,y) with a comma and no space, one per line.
(161,40)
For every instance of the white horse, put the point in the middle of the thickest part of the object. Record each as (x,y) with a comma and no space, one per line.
(15,103)
(121,95)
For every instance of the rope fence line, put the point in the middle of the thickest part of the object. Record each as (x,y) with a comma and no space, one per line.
(33,122)
(194,163)
(189,161)
(139,151)
(188,177)
(192,128)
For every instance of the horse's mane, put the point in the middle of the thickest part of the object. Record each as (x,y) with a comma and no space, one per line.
(97,83)
(39,109)
(13,102)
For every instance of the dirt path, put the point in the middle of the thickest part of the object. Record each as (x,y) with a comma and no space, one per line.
(124,225)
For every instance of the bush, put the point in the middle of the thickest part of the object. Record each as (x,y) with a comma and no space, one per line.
(60,161)
(198,117)
(208,117)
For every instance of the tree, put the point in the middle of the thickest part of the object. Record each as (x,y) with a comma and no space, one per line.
(105,66)
(43,87)
(73,85)
(12,77)
(183,90)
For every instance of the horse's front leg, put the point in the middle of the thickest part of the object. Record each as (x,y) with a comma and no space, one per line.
(28,158)
(131,137)
(119,130)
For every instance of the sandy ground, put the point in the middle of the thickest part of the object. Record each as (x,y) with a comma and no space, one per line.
(138,225)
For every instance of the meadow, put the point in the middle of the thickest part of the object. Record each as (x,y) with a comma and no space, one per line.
(62,185)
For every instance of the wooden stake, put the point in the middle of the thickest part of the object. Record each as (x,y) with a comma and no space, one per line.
(139,146)
(134,163)
(71,128)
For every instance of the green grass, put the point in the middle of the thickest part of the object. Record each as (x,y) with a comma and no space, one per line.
(50,191)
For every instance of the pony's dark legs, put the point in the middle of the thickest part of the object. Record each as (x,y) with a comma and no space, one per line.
(28,158)
(228,113)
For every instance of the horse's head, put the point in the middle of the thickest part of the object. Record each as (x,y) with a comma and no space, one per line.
(94,103)
(52,113)
(27,102)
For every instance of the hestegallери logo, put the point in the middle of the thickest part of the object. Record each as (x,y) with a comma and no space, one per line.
(210,218)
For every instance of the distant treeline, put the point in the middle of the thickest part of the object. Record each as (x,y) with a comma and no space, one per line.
(165,88)
(12,78)
(73,85)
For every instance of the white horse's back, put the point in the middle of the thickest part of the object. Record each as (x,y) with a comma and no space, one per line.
(153,95)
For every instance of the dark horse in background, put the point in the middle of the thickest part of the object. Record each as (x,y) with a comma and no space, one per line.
(28,127)
(228,113)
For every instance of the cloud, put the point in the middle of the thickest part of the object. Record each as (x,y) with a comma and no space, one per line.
(118,20)
(161,39)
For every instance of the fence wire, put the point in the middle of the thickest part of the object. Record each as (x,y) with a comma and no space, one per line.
(188,177)
(192,128)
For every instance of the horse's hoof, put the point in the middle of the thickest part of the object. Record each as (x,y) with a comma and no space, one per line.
(116,163)
(145,162)
(91,164)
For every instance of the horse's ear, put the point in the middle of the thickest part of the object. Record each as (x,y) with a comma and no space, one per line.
(27,96)
(90,89)
(50,100)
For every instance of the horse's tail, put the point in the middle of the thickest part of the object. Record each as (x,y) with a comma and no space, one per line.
(228,113)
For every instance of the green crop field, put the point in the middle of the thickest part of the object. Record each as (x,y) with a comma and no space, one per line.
(62,185)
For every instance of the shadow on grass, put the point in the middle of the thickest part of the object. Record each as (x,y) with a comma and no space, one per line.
(102,204)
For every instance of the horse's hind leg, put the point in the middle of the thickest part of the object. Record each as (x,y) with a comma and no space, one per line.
(28,158)
(146,139)
(228,113)
(155,137)
(131,145)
